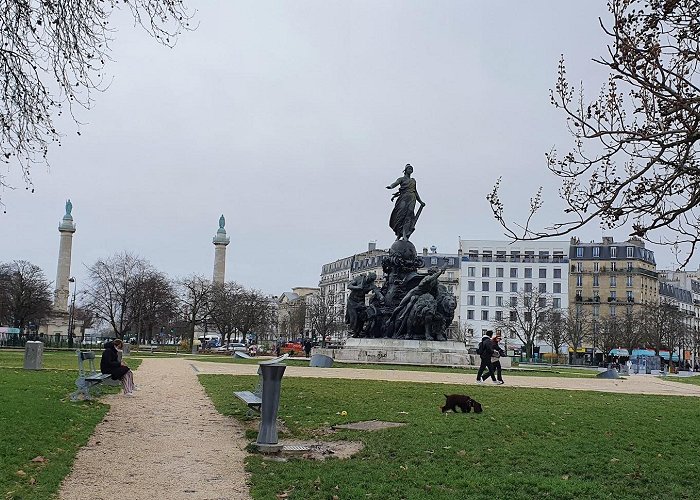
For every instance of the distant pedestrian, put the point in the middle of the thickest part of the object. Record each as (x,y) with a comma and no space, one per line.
(307,347)
(495,370)
(484,350)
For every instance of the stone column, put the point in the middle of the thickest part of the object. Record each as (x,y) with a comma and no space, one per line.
(66,228)
(220,242)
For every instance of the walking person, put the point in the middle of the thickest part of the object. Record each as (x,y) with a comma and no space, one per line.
(485,351)
(495,372)
(119,371)
(308,345)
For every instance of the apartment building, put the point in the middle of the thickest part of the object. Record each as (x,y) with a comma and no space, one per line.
(610,278)
(491,272)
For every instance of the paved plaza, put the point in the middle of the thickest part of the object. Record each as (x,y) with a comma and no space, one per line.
(168,441)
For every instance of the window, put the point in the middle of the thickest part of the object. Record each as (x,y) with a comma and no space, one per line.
(528,272)
(484,300)
(596,252)
(514,302)
(557,273)
(613,295)
(451,261)
(613,310)
(629,267)
(556,288)
(558,256)
(542,302)
(499,300)
(513,316)
(528,287)
(596,296)
(484,315)
(528,317)
(499,286)
(470,300)
(484,272)
(629,281)
(544,256)
(499,315)
(579,267)
(500,255)
(433,261)
(630,296)
(579,251)
(630,252)
(513,287)
(474,255)
(499,272)
(450,275)
(613,266)
(470,313)
(596,267)
(471,272)
(515,256)
(579,280)
(543,273)
(513,272)
(487,255)
(596,280)
(529,256)
(556,303)
(596,310)
(613,252)
(542,287)
(484,286)
(471,285)
(613,280)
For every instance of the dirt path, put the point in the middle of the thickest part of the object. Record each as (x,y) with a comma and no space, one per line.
(636,384)
(168,441)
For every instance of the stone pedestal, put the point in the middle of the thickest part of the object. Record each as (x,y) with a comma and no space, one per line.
(126,349)
(407,352)
(33,355)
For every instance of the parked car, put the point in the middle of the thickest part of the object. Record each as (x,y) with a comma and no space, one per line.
(231,347)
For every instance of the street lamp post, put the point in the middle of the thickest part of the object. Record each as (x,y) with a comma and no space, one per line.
(71,315)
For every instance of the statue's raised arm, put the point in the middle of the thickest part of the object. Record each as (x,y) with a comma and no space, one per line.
(403,219)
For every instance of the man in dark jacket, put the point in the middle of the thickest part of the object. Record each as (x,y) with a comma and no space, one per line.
(495,370)
(485,350)
(119,371)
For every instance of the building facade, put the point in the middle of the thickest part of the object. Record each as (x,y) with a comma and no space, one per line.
(610,278)
(492,272)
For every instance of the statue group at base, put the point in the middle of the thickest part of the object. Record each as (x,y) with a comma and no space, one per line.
(409,305)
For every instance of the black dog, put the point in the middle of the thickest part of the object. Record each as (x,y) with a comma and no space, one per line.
(465,403)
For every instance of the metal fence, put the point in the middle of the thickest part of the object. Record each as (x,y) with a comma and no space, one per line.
(51,341)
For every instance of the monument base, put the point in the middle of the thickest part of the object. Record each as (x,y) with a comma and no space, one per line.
(402,352)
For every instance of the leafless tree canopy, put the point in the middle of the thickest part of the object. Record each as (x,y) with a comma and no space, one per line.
(325,318)
(635,146)
(526,317)
(25,294)
(52,56)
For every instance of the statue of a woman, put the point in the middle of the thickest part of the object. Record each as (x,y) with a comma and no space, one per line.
(403,220)
(69,207)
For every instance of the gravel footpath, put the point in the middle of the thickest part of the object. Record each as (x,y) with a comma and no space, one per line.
(635,384)
(167,441)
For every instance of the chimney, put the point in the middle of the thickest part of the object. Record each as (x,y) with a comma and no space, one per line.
(425,250)
(372,245)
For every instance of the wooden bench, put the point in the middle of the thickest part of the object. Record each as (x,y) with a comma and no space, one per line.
(254,399)
(88,378)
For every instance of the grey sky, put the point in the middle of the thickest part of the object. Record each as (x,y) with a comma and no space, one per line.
(291,117)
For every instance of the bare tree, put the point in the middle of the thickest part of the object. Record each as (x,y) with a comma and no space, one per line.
(25,294)
(464,333)
(324,316)
(112,289)
(194,293)
(53,56)
(525,317)
(155,303)
(553,328)
(256,309)
(635,147)
(225,307)
(610,333)
(577,329)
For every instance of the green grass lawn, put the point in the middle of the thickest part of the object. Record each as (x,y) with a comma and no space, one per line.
(527,444)
(38,419)
(694,380)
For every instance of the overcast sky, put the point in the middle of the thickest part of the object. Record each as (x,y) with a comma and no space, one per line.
(290,118)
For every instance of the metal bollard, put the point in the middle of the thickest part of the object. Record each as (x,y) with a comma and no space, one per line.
(272,383)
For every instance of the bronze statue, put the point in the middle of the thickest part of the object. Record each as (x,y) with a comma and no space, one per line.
(403,219)
(428,286)
(355,315)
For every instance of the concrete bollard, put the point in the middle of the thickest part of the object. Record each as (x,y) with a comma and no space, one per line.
(126,349)
(272,384)
(33,355)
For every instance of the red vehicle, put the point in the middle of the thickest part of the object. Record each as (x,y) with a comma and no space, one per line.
(292,348)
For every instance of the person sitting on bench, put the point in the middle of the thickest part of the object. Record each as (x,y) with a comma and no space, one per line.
(119,371)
